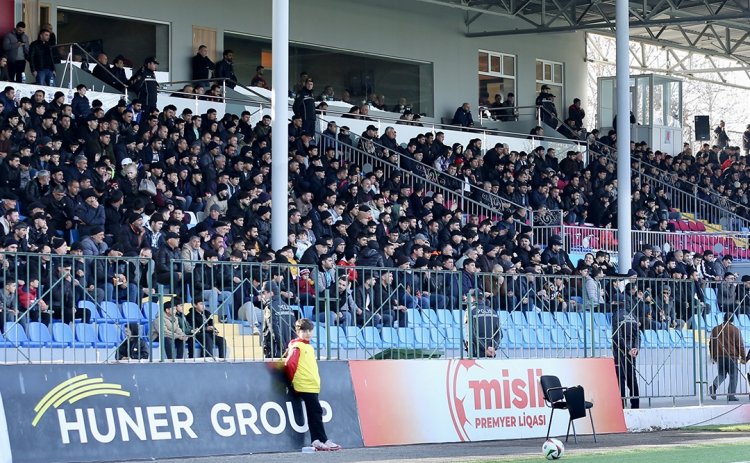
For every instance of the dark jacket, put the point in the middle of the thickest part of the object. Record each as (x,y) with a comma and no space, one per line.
(225,69)
(144,83)
(40,56)
(202,67)
(485,329)
(625,333)
(304,106)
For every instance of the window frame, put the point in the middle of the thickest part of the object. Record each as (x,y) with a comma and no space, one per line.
(500,74)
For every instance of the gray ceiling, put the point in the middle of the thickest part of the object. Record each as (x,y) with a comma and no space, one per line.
(719,28)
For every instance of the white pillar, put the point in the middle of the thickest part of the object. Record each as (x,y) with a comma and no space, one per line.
(280,116)
(625,254)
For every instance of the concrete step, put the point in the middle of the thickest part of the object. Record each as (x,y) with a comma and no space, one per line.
(241,344)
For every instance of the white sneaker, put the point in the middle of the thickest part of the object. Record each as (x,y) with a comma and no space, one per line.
(320,446)
(332,445)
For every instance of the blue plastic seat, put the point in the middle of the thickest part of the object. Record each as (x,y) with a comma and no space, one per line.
(575,319)
(439,336)
(351,335)
(423,338)
(390,337)
(307,311)
(458,316)
(369,338)
(455,335)
(561,318)
(445,317)
(532,319)
(649,339)
(547,319)
(515,339)
(109,335)
(15,334)
(544,338)
(86,334)
(518,319)
(743,320)
(415,318)
(62,333)
(408,339)
(132,313)
(110,313)
(91,307)
(528,337)
(430,318)
(677,339)
(40,336)
(504,317)
(150,310)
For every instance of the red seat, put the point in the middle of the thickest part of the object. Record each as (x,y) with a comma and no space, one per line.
(700,226)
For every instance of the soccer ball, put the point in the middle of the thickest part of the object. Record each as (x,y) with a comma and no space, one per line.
(553,449)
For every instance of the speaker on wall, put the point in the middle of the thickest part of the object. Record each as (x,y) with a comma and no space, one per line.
(702,128)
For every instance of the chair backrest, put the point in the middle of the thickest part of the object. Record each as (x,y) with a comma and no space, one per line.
(131,311)
(151,310)
(110,311)
(15,333)
(39,332)
(85,332)
(110,333)
(574,397)
(551,382)
(61,332)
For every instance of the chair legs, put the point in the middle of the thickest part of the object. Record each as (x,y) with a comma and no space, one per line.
(593,430)
(575,436)
(549,426)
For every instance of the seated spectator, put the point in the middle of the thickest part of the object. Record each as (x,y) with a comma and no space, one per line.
(174,336)
(134,346)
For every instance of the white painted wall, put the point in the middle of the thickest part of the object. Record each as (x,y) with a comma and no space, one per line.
(403,29)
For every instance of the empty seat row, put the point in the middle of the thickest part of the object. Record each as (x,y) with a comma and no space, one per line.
(62,335)
(111,312)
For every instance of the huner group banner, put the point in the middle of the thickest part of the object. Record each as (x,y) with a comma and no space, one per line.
(63,413)
(409,402)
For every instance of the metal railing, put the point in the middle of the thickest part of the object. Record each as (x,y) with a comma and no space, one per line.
(76,308)
(454,194)
(70,47)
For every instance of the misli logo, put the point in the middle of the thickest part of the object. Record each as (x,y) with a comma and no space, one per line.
(73,390)
(489,401)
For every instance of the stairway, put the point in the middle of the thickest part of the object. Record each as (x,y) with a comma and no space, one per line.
(242,344)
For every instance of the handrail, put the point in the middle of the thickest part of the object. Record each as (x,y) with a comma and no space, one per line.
(69,61)
(223,81)
(479,130)
(468,205)
(435,173)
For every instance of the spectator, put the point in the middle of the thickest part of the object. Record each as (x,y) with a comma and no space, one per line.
(174,336)
(304,107)
(133,347)
(103,72)
(41,62)
(144,83)
(205,332)
(463,116)
(258,79)
(545,103)
(16,47)
(576,114)
(225,69)
(722,139)
(202,65)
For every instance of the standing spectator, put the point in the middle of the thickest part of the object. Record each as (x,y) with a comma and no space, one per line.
(202,65)
(509,112)
(41,62)
(463,116)
(144,83)
(16,48)
(103,72)
(576,113)
(722,139)
(225,69)
(726,347)
(626,340)
(118,70)
(304,107)
(545,103)
(745,138)
(258,79)
(4,72)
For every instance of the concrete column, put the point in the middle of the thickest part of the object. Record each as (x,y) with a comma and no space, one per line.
(280,116)
(625,253)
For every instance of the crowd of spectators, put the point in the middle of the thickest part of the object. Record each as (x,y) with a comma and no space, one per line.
(80,179)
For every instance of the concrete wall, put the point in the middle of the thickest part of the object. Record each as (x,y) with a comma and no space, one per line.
(410,30)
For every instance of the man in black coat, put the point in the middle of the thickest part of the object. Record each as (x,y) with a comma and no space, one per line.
(225,69)
(202,65)
(626,340)
(304,106)
(145,84)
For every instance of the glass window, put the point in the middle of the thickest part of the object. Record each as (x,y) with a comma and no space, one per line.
(550,73)
(96,33)
(354,77)
(499,78)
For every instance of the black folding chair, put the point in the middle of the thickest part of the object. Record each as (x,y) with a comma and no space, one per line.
(572,399)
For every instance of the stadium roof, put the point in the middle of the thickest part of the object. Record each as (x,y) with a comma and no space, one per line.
(712,28)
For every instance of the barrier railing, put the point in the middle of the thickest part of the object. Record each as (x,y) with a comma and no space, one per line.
(79,309)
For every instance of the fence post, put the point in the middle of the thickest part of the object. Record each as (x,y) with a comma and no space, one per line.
(327,327)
